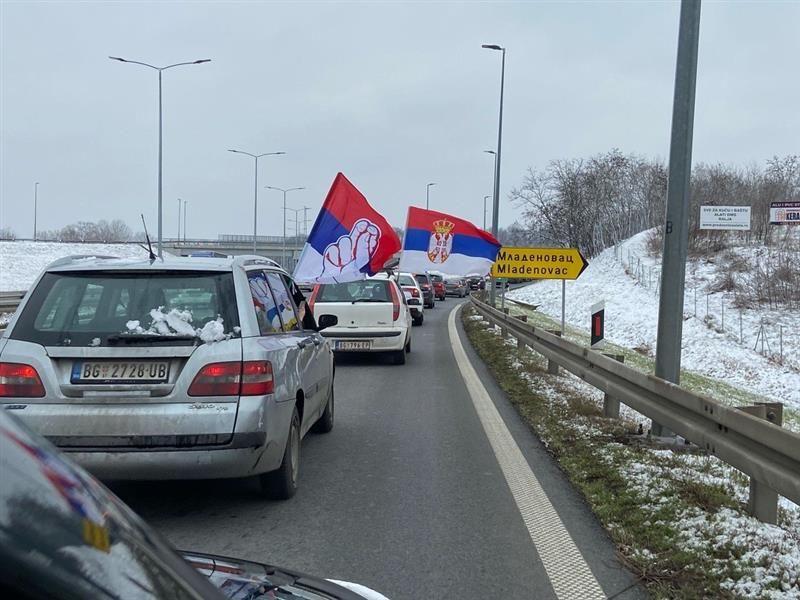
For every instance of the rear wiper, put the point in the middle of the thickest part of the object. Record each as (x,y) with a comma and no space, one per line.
(149,337)
(369,300)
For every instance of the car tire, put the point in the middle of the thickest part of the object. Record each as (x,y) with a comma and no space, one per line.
(418,320)
(325,422)
(281,484)
(408,346)
(399,357)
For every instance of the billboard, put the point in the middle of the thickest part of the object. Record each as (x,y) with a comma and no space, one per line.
(735,218)
(784,213)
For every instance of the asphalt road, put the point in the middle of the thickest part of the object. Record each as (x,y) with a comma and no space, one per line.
(405,495)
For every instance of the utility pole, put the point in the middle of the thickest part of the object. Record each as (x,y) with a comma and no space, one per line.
(428,195)
(35,207)
(676,226)
(496,203)
(179,220)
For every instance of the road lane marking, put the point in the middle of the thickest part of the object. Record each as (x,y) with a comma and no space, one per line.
(569,574)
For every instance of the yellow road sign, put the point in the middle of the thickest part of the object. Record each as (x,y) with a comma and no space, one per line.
(539,263)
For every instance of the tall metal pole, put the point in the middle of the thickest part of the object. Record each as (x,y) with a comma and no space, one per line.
(496,202)
(485,198)
(283,252)
(255,206)
(180,202)
(35,207)
(428,195)
(160,165)
(160,153)
(185,202)
(676,227)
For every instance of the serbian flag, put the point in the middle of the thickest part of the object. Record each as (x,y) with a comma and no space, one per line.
(435,241)
(349,240)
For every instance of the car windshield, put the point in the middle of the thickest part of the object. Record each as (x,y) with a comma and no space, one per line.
(101,308)
(370,290)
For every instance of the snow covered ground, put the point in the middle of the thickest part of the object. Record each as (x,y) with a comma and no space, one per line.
(631,311)
(22,261)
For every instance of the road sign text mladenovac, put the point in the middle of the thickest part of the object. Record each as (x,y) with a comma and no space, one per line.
(538,263)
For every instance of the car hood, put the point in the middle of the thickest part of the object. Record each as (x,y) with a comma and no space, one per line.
(246,580)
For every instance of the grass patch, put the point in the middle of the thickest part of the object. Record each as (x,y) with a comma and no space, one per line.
(641,495)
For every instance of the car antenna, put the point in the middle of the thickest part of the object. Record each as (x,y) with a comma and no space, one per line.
(147,237)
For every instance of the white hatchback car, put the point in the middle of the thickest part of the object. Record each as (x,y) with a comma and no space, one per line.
(373,316)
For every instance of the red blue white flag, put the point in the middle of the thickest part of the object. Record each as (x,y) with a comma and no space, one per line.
(350,240)
(435,241)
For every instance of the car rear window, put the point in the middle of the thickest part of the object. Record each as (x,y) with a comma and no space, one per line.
(369,290)
(406,280)
(422,278)
(88,308)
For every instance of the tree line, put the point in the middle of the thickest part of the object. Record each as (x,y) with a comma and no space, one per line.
(103,231)
(594,203)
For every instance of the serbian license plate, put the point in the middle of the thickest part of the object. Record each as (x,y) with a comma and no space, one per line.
(128,371)
(350,345)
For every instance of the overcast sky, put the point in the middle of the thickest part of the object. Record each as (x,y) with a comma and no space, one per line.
(395,95)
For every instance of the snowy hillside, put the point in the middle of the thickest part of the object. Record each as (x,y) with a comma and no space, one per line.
(630,292)
(22,261)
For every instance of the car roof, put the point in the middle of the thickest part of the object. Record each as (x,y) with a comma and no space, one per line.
(169,262)
(53,510)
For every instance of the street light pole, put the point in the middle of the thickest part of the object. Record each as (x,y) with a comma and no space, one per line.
(160,130)
(428,195)
(35,207)
(494,174)
(285,191)
(185,202)
(255,189)
(496,202)
(179,220)
(485,198)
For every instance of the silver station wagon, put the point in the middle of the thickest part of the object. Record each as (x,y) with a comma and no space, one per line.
(171,369)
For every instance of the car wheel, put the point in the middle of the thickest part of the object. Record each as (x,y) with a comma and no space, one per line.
(399,357)
(408,346)
(282,483)
(325,423)
(417,320)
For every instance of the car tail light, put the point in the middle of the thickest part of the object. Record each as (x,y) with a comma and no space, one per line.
(20,381)
(217,379)
(257,378)
(425,286)
(395,302)
(249,378)
(413,291)
(313,297)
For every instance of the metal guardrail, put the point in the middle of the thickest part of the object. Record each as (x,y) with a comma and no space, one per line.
(767,453)
(9,301)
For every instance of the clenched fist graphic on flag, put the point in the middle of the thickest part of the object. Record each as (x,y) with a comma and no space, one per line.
(349,240)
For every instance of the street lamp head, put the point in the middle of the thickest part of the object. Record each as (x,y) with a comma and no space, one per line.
(430,184)
(492,47)
(202,60)
(490,152)
(117,58)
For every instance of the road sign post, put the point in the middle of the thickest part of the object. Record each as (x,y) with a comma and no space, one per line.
(676,226)
(541,263)
(598,325)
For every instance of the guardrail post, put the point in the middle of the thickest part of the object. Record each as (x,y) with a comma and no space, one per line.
(552,366)
(610,404)
(763,501)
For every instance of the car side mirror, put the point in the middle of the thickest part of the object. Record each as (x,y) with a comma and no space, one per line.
(326,321)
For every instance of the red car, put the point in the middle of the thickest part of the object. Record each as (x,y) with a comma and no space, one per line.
(438,287)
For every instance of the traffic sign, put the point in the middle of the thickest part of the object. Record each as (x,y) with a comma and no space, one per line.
(598,324)
(539,263)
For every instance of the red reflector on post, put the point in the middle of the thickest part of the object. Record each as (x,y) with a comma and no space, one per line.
(20,381)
